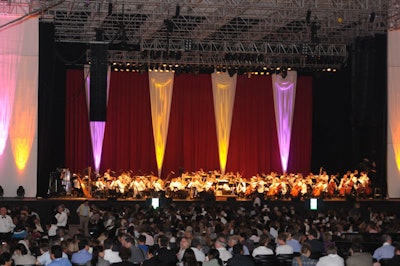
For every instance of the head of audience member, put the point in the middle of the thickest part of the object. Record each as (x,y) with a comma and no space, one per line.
(5,259)
(356,247)
(220,243)
(237,249)
(281,239)
(108,243)
(21,249)
(124,253)
(264,240)
(153,251)
(189,259)
(387,239)
(331,249)
(163,241)
(312,234)
(185,243)
(213,254)
(306,250)
(127,241)
(56,252)
(83,244)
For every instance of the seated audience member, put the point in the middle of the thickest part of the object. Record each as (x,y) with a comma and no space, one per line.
(137,256)
(189,258)
(304,259)
(317,247)
(293,242)
(97,257)
(262,249)
(220,245)
(213,258)
(125,254)
(332,259)
(233,240)
(45,257)
(165,256)
(109,254)
(197,248)
(57,257)
(239,259)
(21,256)
(358,257)
(83,255)
(386,251)
(282,247)
(5,259)
(396,259)
(151,257)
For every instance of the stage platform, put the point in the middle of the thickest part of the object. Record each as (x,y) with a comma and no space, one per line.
(46,206)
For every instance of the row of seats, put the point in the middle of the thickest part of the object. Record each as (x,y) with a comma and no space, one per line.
(275,260)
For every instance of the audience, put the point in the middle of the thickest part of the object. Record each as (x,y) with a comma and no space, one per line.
(197,234)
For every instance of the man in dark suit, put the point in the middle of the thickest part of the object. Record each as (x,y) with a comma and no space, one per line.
(238,258)
(165,256)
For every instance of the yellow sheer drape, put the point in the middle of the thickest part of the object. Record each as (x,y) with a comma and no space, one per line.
(224,90)
(161,87)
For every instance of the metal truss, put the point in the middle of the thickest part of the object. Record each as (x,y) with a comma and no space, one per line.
(207,30)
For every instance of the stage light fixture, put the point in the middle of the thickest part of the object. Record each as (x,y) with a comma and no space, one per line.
(308,16)
(20,192)
(372,17)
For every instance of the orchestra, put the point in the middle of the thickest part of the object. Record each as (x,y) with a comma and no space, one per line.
(193,185)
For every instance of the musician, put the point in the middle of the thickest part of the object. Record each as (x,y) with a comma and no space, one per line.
(100,186)
(77,186)
(241,187)
(107,175)
(66,180)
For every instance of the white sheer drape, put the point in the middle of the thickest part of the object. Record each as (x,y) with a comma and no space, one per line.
(284,90)
(97,128)
(224,90)
(161,87)
(19,63)
(393,145)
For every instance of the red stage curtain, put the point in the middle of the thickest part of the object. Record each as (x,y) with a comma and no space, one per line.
(77,136)
(192,140)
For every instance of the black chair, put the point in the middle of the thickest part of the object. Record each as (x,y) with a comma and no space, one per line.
(285,259)
(384,262)
(265,260)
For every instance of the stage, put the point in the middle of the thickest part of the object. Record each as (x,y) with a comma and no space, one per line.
(46,206)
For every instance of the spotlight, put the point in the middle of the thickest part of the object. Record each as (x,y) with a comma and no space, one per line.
(20,192)
(308,16)
(231,71)
(372,17)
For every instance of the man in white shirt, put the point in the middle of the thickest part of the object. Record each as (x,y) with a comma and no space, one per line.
(262,249)
(197,249)
(6,225)
(61,216)
(110,255)
(220,245)
(282,247)
(332,259)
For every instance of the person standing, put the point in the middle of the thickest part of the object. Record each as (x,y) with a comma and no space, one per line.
(83,212)
(6,225)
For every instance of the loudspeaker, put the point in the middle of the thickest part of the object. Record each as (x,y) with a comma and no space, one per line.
(98,82)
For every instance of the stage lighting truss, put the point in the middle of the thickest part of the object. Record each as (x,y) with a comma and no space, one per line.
(205,31)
